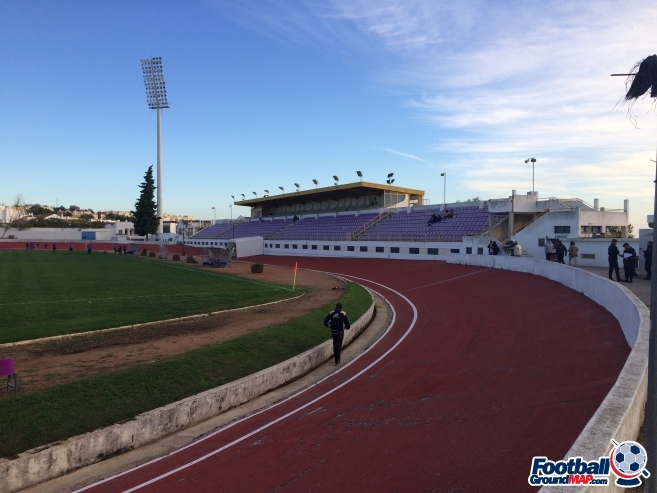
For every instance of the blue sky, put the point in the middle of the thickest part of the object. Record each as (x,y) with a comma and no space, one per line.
(267,93)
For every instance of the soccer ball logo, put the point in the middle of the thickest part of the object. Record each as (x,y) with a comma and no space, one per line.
(628,461)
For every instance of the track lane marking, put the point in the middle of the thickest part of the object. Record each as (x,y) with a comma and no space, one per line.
(235,423)
(300,408)
(446,280)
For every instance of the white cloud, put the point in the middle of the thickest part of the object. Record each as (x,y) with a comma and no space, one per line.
(399,153)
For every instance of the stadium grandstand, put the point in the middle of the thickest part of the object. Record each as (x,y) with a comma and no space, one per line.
(383,219)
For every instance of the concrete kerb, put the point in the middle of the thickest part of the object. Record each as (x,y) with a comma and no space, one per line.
(622,411)
(51,461)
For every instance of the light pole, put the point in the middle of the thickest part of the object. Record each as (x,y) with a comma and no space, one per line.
(231,212)
(282,188)
(214,211)
(444,175)
(532,160)
(156,96)
(316,183)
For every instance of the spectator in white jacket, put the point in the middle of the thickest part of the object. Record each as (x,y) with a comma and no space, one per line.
(549,249)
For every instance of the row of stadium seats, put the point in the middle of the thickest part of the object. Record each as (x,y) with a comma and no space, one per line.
(399,226)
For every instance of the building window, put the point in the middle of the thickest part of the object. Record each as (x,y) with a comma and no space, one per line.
(561,230)
(313,247)
(278,245)
(363,249)
(336,247)
(468,250)
(379,249)
(294,247)
(414,250)
(541,242)
(287,245)
(394,249)
(305,247)
(432,251)
(455,250)
(591,229)
(350,248)
(480,250)
(589,256)
(325,247)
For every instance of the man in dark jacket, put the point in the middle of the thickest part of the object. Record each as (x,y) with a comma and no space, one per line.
(612,258)
(629,261)
(338,321)
(647,257)
(561,252)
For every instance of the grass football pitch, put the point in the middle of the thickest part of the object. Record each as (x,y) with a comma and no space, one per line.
(46,294)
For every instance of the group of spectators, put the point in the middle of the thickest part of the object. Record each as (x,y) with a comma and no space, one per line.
(37,246)
(629,261)
(436,218)
(561,250)
(118,249)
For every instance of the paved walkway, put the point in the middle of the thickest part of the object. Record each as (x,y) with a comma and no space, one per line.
(639,286)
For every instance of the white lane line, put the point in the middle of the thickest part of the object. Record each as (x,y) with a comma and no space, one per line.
(446,280)
(392,322)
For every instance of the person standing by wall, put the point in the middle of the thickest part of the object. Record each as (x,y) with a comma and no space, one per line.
(517,249)
(572,253)
(496,248)
(549,249)
(613,254)
(561,252)
(647,258)
(629,259)
(337,321)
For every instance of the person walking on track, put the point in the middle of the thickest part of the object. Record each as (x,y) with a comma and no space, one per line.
(338,321)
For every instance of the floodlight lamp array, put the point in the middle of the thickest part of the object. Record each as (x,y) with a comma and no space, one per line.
(156,92)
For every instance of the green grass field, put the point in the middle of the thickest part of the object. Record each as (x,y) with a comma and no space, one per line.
(57,413)
(44,294)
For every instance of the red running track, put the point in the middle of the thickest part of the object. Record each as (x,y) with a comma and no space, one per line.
(499,366)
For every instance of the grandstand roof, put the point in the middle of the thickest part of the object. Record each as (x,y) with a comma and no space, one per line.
(335,192)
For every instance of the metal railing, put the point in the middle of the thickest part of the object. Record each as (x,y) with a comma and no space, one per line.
(369,224)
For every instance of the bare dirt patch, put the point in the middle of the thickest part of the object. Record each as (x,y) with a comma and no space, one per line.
(49,363)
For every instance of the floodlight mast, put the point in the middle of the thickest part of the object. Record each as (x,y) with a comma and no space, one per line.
(156,96)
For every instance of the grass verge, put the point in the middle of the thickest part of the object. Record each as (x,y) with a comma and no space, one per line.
(57,413)
(45,294)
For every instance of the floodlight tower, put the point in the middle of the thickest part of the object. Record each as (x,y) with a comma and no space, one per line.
(156,96)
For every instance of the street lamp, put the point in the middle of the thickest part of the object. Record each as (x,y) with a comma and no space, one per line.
(532,160)
(156,97)
(444,174)
(282,188)
(243,196)
(360,175)
(255,194)
(315,182)
(231,212)
(267,192)
(233,198)
(336,178)
(390,181)
(297,185)
(215,215)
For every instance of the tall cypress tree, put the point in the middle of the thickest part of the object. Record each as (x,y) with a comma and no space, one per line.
(146,220)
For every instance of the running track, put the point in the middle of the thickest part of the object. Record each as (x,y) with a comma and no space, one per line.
(498,367)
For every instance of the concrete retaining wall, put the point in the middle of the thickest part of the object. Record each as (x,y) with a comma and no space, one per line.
(621,413)
(51,461)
